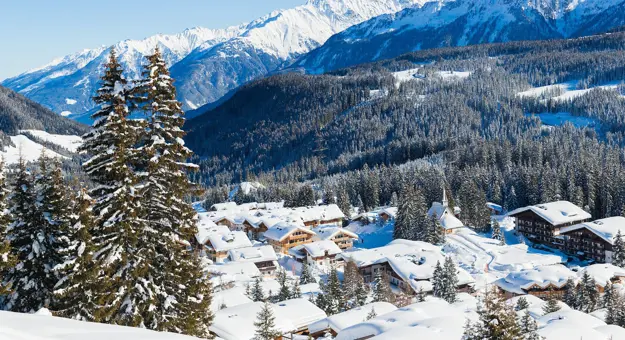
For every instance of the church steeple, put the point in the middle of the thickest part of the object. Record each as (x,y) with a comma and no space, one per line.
(445,202)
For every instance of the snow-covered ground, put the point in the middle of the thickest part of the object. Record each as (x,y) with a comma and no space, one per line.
(69,142)
(31,150)
(560,118)
(18,326)
(568,90)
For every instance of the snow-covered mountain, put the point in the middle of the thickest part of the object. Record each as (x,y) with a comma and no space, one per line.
(206,63)
(463,22)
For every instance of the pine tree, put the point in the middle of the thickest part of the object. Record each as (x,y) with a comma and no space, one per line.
(529,327)
(411,222)
(257,293)
(306,276)
(497,234)
(342,201)
(32,278)
(73,293)
(473,203)
(7,259)
(521,304)
(382,289)
(587,295)
(351,280)
(162,168)
(570,296)
(296,291)
(361,294)
(372,314)
(123,245)
(434,232)
(265,324)
(285,292)
(420,295)
(334,294)
(551,306)
(450,277)
(438,281)
(609,303)
(497,320)
(618,249)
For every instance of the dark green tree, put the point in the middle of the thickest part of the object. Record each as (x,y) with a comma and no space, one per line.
(266,324)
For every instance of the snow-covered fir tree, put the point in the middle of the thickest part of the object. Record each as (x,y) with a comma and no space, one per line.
(382,289)
(586,294)
(296,290)
(372,314)
(473,203)
(352,280)
(256,291)
(361,294)
(73,293)
(32,277)
(334,296)
(529,327)
(162,171)
(123,243)
(306,276)
(552,305)
(7,259)
(266,324)
(618,249)
(342,201)
(450,278)
(496,232)
(411,222)
(521,304)
(438,280)
(497,320)
(570,296)
(420,295)
(434,232)
(610,303)
(284,293)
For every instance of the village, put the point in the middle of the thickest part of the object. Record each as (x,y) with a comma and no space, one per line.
(259,252)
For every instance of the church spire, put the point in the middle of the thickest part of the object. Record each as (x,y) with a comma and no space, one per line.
(445,202)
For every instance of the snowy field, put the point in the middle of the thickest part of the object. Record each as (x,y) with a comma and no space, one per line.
(31,150)
(560,118)
(17,326)
(568,90)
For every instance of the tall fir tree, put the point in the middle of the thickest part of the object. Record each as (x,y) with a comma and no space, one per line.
(521,304)
(618,249)
(411,221)
(163,170)
(497,320)
(7,259)
(342,201)
(32,277)
(570,296)
(306,276)
(352,280)
(361,294)
(73,293)
(334,294)
(257,293)
(284,293)
(266,324)
(587,295)
(450,277)
(609,301)
(382,289)
(438,281)
(552,304)
(529,327)
(497,234)
(123,249)
(434,232)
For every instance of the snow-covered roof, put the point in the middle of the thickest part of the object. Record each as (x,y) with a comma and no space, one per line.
(282,230)
(556,213)
(353,316)
(366,257)
(253,254)
(445,216)
(316,249)
(390,211)
(570,324)
(233,272)
(602,272)
(227,241)
(494,206)
(237,323)
(612,331)
(223,206)
(444,319)
(542,277)
(326,232)
(418,269)
(606,228)
(206,227)
(230,298)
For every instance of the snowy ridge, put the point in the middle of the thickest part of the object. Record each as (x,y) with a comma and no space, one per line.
(463,22)
(31,150)
(226,57)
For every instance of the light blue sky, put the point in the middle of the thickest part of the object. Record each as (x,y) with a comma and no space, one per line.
(33,32)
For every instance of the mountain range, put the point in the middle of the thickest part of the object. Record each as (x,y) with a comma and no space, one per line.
(206,63)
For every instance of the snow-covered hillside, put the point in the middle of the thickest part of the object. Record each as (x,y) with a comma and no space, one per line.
(30,149)
(463,22)
(18,326)
(208,63)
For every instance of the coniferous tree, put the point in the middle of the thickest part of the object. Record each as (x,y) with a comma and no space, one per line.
(32,277)
(529,327)
(551,306)
(7,259)
(162,169)
(285,292)
(609,303)
(618,249)
(296,291)
(411,222)
(257,293)
(438,281)
(450,277)
(361,294)
(473,204)
(123,244)
(334,294)
(420,295)
(570,295)
(382,289)
(73,293)
(521,304)
(372,314)
(434,232)
(496,232)
(497,320)
(266,324)
(587,295)
(342,201)
(351,280)
(306,276)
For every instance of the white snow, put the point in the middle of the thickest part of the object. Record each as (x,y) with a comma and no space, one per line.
(29,150)
(329,232)
(541,277)
(606,228)
(316,249)
(603,272)
(230,298)
(340,321)
(283,230)
(65,113)
(569,90)
(70,101)
(221,242)
(253,254)
(556,213)
(18,326)
(69,142)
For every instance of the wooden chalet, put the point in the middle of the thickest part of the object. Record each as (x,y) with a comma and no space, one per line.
(283,237)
